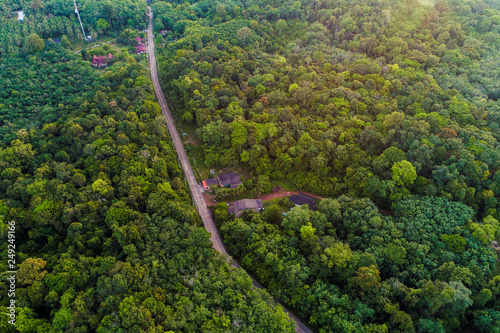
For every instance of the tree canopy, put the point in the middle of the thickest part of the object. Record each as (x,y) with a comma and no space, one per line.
(106,234)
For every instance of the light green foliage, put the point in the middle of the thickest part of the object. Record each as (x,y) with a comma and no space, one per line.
(338,255)
(292,87)
(103,24)
(33,43)
(395,253)
(455,242)
(403,173)
(221,212)
(368,278)
(387,159)
(239,135)
(263,185)
(101,187)
(296,218)
(394,119)
(281,25)
(260,89)
(140,81)
(307,231)
(487,231)
(244,33)
(65,42)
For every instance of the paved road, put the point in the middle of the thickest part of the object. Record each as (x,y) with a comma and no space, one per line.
(188,171)
(186,166)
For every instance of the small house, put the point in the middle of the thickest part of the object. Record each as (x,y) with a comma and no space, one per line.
(101,61)
(20,15)
(140,48)
(245,204)
(229,180)
(208,182)
(303,199)
(139,39)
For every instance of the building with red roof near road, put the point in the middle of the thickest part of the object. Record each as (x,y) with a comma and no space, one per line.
(208,182)
(101,61)
(140,48)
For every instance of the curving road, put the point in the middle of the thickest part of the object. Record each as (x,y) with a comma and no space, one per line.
(188,171)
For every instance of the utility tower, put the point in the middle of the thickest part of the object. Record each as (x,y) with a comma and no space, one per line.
(78,14)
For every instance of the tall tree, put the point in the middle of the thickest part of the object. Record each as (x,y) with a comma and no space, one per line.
(244,33)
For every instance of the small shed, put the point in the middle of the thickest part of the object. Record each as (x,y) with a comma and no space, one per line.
(20,15)
(245,204)
(304,199)
(229,180)
(208,182)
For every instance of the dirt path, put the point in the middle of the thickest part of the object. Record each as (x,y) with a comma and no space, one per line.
(281,193)
(191,141)
(208,200)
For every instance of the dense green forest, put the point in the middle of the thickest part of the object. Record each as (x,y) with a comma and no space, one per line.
(56,18)
(106,236)
(383,106)
(41,90)
(379,99)
(390,105)
(346,268)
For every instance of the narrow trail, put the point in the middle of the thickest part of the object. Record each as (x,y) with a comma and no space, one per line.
(195,188)
(275,195)
(281,193)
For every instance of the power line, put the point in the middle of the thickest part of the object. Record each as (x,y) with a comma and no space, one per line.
(78,14)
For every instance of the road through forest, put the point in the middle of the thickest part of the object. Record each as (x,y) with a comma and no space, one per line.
(194,187)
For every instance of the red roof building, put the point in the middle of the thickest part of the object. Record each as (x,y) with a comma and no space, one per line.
(207,182)
(140,48)
(138,39)
(101,61)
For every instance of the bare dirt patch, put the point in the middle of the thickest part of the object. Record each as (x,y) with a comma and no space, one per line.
(281,193)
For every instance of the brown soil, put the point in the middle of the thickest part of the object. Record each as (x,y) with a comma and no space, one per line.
(191,141)
(278,194)
(208,200)
(281,193)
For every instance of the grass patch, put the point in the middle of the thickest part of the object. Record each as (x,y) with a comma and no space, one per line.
(276,202)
